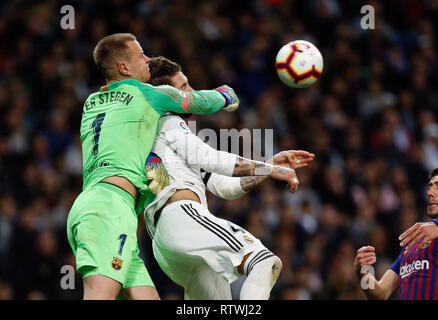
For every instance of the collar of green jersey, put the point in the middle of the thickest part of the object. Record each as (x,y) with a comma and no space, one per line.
(114,83)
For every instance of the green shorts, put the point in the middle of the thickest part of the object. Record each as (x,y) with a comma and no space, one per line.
(102,231)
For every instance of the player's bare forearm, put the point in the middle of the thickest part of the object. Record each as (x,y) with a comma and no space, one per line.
(245,167)
(382,289)
(281,162)
(251,182)
(373,289)
(373,294)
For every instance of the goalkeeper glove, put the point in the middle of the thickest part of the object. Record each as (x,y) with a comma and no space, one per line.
(232,102)
(157,174)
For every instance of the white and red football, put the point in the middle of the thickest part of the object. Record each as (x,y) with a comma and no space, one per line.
(299,64)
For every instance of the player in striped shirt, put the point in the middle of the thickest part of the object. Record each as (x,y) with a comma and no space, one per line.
(416,268)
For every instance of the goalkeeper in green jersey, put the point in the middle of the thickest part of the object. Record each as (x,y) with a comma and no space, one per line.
(118,129)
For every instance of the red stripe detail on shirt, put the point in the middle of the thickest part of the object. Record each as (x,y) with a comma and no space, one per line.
(403,287)
(422,275)
(171,92)
(407,283)
(167,94)
(433,268)
(415,274)
(191,102)
(185,105)
(429,278)
(198,104)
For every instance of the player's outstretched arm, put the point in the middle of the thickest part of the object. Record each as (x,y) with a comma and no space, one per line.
(169,99)
(294,159)
(228,188)
(187,145)
(231,188)
(247,167)
(423,231)
(175,132)
(373,289)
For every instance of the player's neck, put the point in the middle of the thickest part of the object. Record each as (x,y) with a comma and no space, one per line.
(118,78)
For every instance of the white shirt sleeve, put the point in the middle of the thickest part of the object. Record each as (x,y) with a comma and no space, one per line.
(228,188)
(196,152)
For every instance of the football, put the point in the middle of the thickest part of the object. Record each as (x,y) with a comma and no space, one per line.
(299,64)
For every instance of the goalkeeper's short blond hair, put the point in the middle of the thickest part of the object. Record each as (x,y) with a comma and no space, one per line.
(110,50)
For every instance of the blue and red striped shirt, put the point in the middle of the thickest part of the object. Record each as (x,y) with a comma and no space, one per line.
(418,270)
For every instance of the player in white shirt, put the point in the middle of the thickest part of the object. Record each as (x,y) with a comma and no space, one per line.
(197,250)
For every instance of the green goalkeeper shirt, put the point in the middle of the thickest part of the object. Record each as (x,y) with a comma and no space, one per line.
(119,125)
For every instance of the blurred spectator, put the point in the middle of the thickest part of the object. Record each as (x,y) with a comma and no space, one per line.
(46,267)
(6,291)
(430,146)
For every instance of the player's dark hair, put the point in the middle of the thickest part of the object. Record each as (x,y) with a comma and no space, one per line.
(433,173)
(162,70)
(110,50)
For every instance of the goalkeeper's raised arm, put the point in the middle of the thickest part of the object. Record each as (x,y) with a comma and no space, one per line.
(169,99)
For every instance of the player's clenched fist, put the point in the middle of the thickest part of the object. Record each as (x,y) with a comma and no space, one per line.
(231,99)
(365,256)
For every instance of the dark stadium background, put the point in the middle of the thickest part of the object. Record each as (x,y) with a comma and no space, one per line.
(371,121)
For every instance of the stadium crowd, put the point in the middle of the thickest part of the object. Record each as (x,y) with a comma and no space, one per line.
(370,120)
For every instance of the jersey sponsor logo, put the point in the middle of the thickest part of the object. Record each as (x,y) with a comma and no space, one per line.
(117,263)
(416,265)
